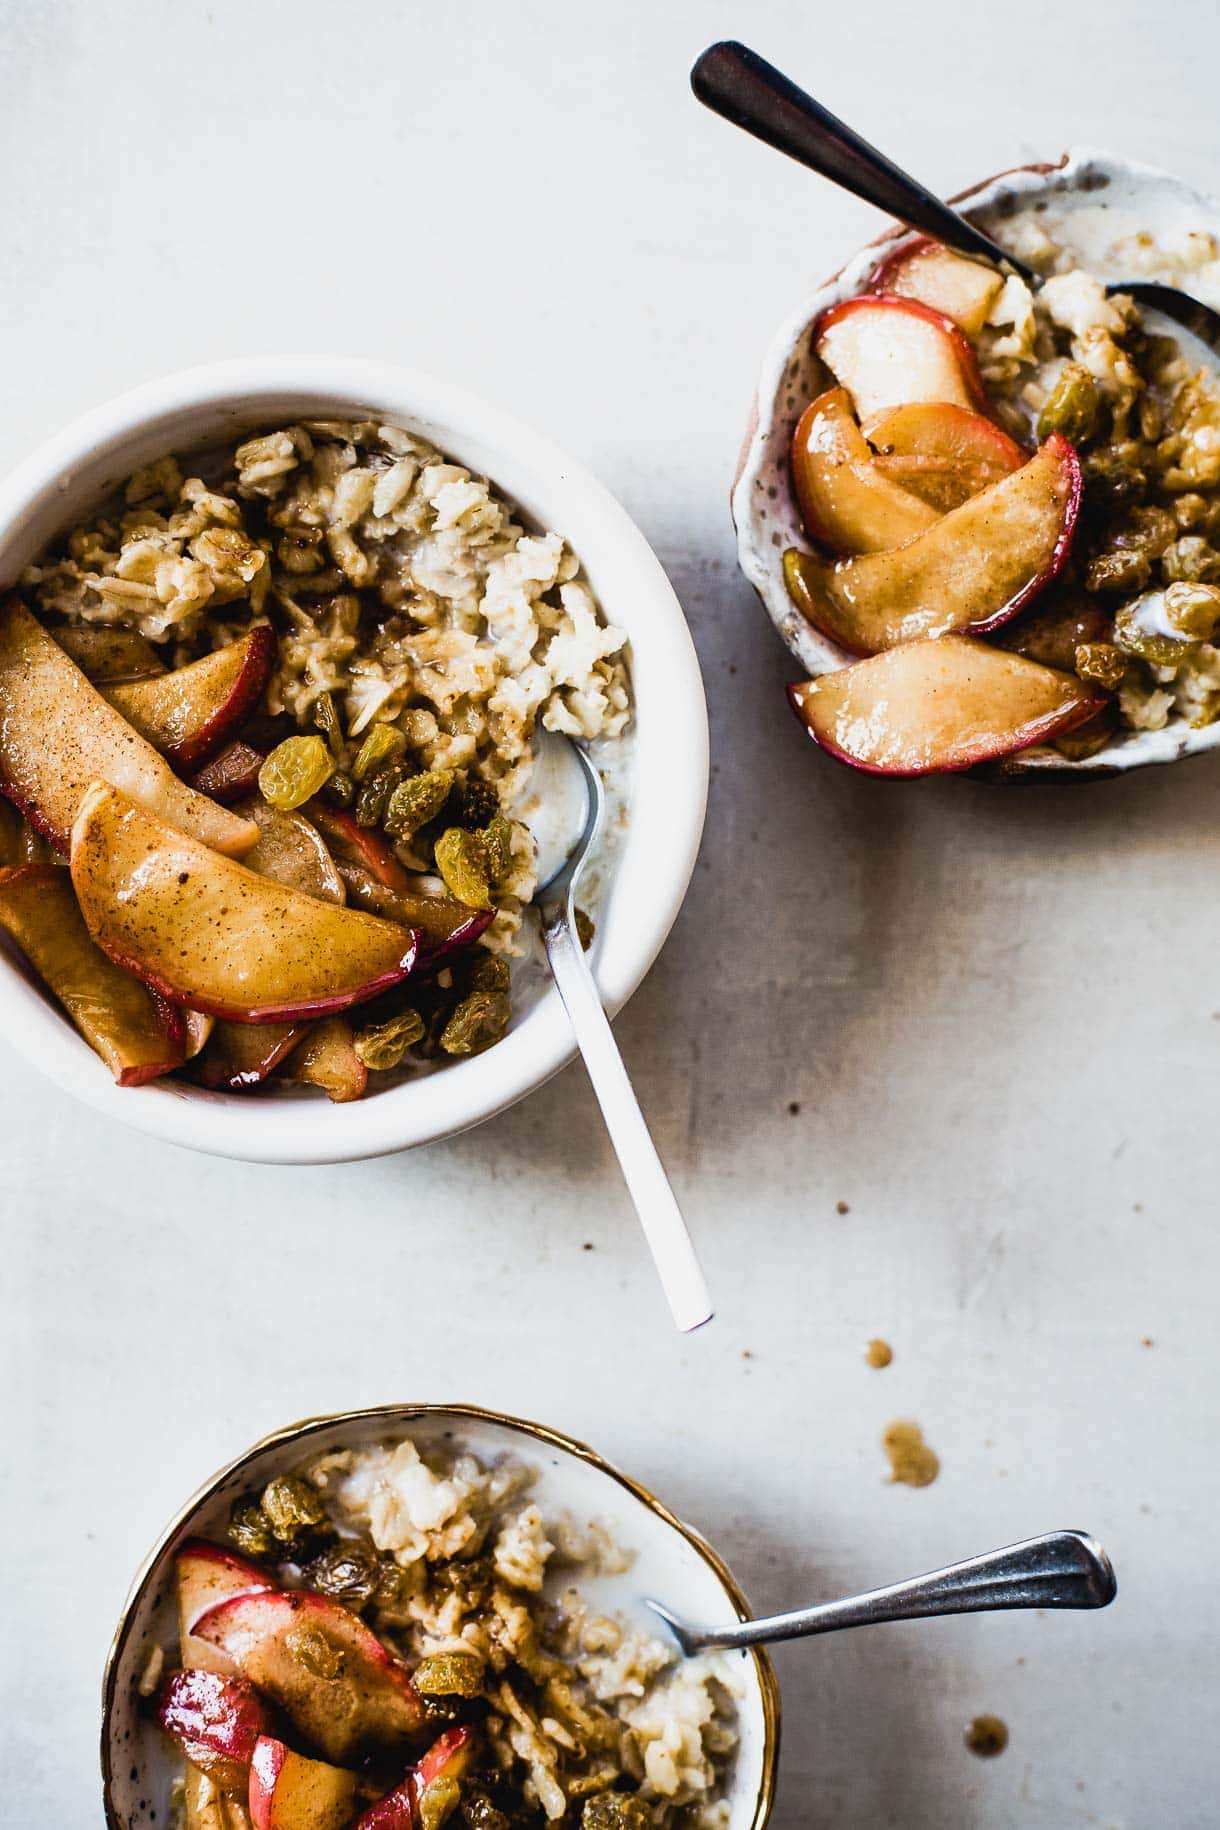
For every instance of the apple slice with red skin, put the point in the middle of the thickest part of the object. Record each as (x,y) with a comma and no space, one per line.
(206,1807)
(239,1056)
(963,289)
(208,1574)
(291,851)
(361,844)
(105,655)
(206,932)
(420,1800)
(231,774)
(377,881)
(1063,619)
(446,927)
(57,734)
(846,502)
(934,707)
(189,713)
(974,570)
(289,1792)
(197,1030)
(941,453)
(215,1720)
(137,1035)
(370,1700)
(886,351)
(327,1059)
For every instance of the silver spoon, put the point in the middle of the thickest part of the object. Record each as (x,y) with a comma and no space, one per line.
(660,1216)
(1063,1569)
(735,82)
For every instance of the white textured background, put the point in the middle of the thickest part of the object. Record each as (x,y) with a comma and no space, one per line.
(996,1009)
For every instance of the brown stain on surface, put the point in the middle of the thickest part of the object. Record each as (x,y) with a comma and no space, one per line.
(912,1462)
(987,1736)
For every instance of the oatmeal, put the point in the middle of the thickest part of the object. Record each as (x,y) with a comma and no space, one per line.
(413,1626)
(1144,416)
(323,656)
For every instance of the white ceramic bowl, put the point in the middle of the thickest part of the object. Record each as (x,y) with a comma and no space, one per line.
(70,474)
(671,1562)
(1092,197)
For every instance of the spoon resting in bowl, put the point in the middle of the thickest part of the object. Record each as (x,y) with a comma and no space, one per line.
(660,1216)
(1061,1569)
(744,88)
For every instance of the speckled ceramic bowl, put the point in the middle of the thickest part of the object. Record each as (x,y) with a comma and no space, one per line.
(671,1562)
(1091,198)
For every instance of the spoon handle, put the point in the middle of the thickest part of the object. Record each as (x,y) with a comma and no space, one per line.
(1063,1569)
(735,82)
(643,1171)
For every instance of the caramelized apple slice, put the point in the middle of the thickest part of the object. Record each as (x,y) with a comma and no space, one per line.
(204,931)
(188,714)
(108,655)
(358,844)
(243,1055)
(1062,620)
(197,1027)
(328,1059)
(846,502)
(207,1574)
(429,1792)
(885,351)
(289,1792)
(932,707)
(446,926)
(941,453)
(137,1036)
(291,851)
(57,734)
(231,775)
(12,835)
(215,1720)
(365,1699)
(206,1807)
(963,289)
(973,570)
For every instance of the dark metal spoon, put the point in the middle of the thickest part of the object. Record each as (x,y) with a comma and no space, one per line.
(735,82)
(1063,1569)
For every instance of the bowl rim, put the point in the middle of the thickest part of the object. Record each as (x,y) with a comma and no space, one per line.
(1075,169)
(670,723)
(551,1438)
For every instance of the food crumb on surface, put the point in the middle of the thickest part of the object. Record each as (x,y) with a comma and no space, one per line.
(794,1106)
(987,1736)
(587,1246)
(841,1207)
(878,1353)
(1147,1341)
(912,1462)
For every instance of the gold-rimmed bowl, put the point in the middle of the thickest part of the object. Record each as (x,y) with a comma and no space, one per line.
(671,1561)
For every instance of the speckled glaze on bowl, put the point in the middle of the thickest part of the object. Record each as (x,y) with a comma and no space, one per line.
(672,1562)
(764,506)
(656,850)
